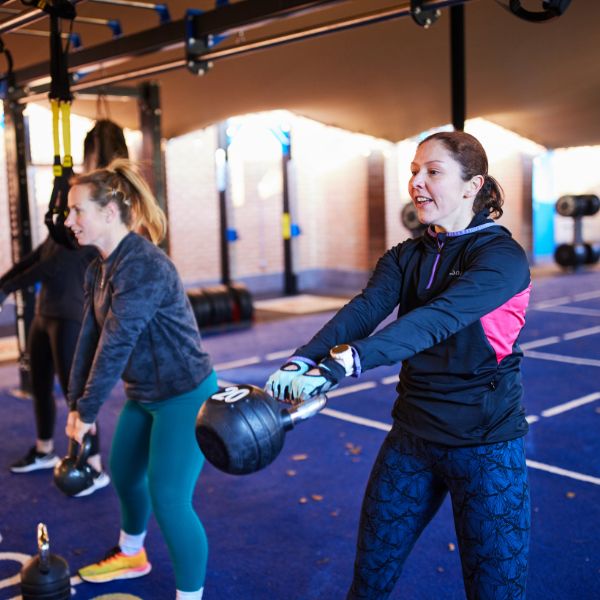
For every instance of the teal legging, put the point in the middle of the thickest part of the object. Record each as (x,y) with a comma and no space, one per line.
(155,463)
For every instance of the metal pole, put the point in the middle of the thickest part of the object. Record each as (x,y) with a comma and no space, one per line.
(290,280)
(15,137)
(153,163)
(457,66)
(222,182)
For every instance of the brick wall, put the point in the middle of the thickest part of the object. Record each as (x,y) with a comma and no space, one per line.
(193,205)
(337,179)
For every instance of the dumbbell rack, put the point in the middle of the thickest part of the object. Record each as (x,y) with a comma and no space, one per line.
(579,253)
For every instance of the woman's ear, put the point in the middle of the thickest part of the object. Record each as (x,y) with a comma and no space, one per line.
(474,185)
(111,211)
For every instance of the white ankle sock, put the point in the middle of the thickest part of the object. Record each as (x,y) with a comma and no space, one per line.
(131,544)
(197,595)
(44,446)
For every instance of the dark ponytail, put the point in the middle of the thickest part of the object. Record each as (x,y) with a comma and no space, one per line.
(490,197)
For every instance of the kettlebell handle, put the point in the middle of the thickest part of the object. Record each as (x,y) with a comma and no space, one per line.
(304,410)
(43,547)
(81,452)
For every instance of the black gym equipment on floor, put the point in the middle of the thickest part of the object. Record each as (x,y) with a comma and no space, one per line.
(578,254)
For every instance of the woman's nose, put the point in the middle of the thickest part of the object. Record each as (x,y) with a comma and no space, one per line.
(417,180)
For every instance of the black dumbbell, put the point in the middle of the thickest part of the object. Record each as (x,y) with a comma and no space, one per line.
(241,429)
(73,473)
(592,254)
(570,255)
(584,205)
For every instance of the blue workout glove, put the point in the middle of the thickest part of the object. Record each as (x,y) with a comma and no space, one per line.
(278,384)
(317,381)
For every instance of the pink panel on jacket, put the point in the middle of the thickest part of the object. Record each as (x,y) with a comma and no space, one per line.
(502,326)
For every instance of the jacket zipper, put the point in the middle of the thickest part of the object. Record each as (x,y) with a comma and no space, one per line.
(440,245)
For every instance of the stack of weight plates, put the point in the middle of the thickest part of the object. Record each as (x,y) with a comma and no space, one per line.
(219,305)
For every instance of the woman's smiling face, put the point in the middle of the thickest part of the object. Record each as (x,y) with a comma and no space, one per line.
(437,188)
(86,218)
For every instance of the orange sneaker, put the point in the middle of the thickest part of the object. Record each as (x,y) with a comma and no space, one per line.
(116,565)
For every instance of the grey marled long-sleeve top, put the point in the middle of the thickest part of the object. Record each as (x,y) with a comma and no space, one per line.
(138,325)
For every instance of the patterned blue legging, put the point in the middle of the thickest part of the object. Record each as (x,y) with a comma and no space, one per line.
(155,463)
(490,501)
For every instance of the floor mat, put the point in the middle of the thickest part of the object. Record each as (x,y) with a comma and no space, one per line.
(302,304)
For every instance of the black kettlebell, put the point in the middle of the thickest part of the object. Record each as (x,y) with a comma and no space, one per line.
(241,429)
(46,576)
(73,473)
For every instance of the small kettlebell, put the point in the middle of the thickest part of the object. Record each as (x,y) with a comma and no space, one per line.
(46,576)
(73,473)
(241,429)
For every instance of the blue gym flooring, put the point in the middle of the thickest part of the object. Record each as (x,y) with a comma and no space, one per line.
(288,532)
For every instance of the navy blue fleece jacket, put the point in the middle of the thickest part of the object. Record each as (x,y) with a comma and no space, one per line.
(461,300)
(138,325)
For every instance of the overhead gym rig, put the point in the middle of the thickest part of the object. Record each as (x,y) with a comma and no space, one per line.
(205,37)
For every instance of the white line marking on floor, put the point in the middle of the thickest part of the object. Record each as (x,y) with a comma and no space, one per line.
(573,360)
(343,416)
(541,342)
(565,299)
(573,310)
(280,354)
(532,419)
(390,379)
(17,557)
(533,464)
(578,333)
(234,364)
(352,389)
(586,295)
(561,408)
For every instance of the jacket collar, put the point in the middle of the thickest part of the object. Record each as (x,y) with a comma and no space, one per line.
(479,222)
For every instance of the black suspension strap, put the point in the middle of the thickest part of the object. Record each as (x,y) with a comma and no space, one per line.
(60,102)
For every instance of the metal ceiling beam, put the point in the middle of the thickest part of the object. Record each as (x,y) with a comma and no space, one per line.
(26,18)
(371,18)
(227,19)
(168,36)
(110,53)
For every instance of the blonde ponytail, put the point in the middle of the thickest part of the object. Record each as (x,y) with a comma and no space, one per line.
(120,182)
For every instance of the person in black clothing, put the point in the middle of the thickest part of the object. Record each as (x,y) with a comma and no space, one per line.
(52,335)
(460,291)
(59,308)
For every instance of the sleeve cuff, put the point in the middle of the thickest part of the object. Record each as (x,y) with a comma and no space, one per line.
(304,359)
(337,371)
